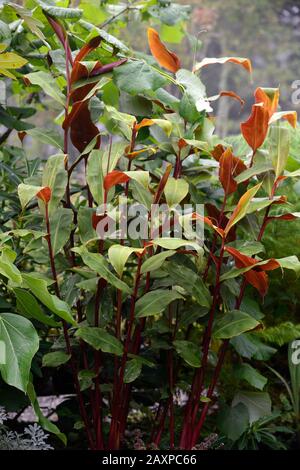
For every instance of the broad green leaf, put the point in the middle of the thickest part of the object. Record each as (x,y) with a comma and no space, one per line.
(120,121)
(201,293)
(32,23)
(21,343)
(279,141)
(257,169)
(195,89)
(7,268)
(27,192)
(156,261)
(100,163)
(48,84)
(175,191)
(132,370)
(39,288)
(98,263)
(141,194)
(60,12)
(47,137)
(174,243)
(10,60)
(188,110)
(233,324)
(190,352)
(61,224)
(55,177)
(86,379)
(258,404)
(142,177)
(100,339)
(85,227)
(233,421)
(43,421)
(248,345)
(108,38)
(137,77)
(118,256)
(252,376)
(155,302)
(55,359)
(94,176)
(28,306)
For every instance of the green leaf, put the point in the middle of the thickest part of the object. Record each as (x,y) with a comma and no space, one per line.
(195,89)
(55,176)
(118,256)
(137,76)
(98,263)
(28,306)
(21,343)
(100,339)
(85,227)
(189,352)
(250,346)
(55,359)
(59,12)
(233,324)
(7,268)
(85,378)
(187,109)
(26,192)
(233,421)
(175,191)
(46,136)
(61,224)
(201,293)
(155,302)
(258,404)
(100,163)
(39,288)
(279,141)
(251,375)
(257,169)
(43,421)
(48,84)
(132,370)
(174,243)
(119,121)
(156,261)
(142,177)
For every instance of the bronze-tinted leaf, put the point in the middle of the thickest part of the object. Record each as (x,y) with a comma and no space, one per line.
(164,57)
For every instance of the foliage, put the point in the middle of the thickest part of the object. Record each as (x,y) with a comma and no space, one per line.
(132,323)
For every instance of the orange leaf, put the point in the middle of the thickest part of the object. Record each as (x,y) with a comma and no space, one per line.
(87,48)
(234,95)
(207,221)
(218,151)
(244,62)
(290,116)
(44,194)
(226,172)
(164,57)
(113,178)
(144,123)
(256,128)
(255,276)
(269,97)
